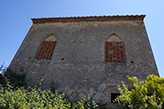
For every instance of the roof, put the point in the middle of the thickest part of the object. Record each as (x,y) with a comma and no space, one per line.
(89,19)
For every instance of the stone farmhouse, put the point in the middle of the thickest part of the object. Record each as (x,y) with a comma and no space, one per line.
(85,56)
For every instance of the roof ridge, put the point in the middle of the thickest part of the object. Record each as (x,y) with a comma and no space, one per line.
(89,18)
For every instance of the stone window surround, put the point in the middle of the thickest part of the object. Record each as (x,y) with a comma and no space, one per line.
(114,49)
(47,47)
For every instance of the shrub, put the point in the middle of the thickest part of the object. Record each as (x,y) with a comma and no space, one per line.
(14,95)
(148,94)
(35,98)
(15,79)
(39,99)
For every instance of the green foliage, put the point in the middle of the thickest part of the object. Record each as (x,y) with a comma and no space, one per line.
(35,98)
(39,99)
(148,94)
(2,79)
(15,79)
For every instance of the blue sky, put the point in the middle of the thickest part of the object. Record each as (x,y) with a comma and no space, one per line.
(15,20)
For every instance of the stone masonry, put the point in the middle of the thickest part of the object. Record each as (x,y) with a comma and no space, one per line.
(86,55)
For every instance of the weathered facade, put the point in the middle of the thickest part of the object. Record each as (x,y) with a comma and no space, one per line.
(86,55)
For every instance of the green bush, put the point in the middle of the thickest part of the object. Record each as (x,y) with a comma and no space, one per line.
(39,99)
(15,79)
(14,96)
(148,94)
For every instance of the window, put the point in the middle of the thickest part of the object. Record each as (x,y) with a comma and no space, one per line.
(47,47)
(114,49)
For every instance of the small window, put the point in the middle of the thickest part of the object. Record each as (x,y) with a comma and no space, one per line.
(114,96)
(47,48)
(114,49)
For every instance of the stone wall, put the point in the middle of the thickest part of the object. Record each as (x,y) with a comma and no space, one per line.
(78,61)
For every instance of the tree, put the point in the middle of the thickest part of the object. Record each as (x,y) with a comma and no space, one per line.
(2,69)
(148,94)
